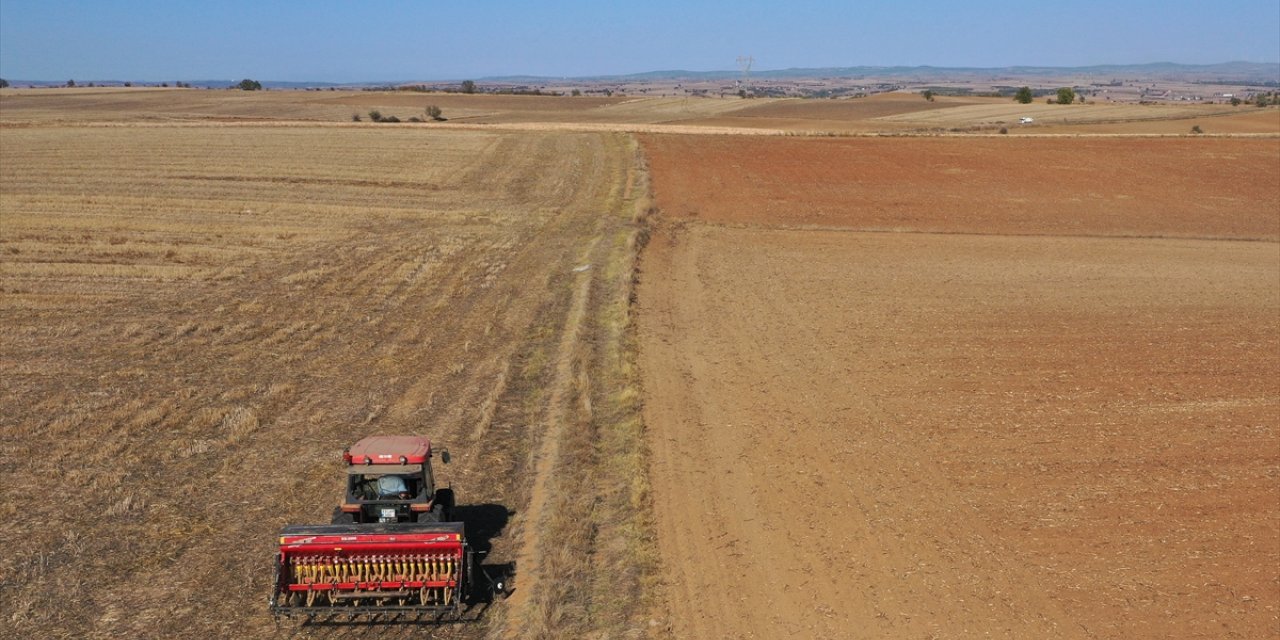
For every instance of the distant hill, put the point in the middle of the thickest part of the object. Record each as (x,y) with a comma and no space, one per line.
(1226,72)
(195,84)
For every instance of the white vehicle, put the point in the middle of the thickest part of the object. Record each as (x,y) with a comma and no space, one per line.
(1026,120)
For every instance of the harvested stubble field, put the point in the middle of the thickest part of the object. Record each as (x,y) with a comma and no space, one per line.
(152,105)
(195,320)
(113,105)
(963,388)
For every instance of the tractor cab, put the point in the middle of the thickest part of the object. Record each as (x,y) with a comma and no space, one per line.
(389,479)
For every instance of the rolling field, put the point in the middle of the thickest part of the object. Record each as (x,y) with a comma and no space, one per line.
(196,321)
(904,386)
(164,105)
(989,402)
(904,113)
(893,113)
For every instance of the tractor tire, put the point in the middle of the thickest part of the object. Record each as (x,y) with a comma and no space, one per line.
(431,516)
(342,517)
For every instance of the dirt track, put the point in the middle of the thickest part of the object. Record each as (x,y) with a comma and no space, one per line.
(942,435)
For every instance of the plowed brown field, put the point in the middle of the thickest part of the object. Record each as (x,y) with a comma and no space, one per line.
(1221,188)
(970,433)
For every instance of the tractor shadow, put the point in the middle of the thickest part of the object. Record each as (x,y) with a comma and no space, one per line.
(483,523)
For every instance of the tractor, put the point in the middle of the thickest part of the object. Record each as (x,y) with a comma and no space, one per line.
(391,547)
(389,479)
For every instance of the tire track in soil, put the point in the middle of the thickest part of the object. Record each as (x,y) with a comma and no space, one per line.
(548,452)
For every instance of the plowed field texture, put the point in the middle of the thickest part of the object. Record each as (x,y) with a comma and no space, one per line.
(946,388)
(196,320)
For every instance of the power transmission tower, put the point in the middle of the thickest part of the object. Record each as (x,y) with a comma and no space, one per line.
(744,63)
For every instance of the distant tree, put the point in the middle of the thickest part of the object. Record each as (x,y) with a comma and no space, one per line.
(128,84)
(375,115)
(575,93)
(390,119)
(1004,130)
(1066,95)
(355,117)
(1260,100)
(249,85)
(1196,129)
(1023,95)
(928,95)
(164,84)
(434,112)
(71,83)
(468,86)
(1235,102)
(3,83)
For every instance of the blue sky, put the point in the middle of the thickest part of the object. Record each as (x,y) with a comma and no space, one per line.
(319,40)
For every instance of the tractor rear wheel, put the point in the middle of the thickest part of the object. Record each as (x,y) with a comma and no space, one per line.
(342,517)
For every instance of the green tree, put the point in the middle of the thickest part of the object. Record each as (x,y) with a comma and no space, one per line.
(575,93)
(249,85)
(1066,95)
(3,83)
(434,112)
(468,86)
(71,83)
(1023,95)
(1261,100)
(928,95)
(375,115)
(1235,102)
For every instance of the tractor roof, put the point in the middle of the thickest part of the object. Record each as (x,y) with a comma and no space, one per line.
(390,450)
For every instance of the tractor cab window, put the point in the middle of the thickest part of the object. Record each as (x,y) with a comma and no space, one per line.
(391,487)
(386,487)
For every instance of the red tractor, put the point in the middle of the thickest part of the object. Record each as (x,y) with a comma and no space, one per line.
(389,479)
(391,546)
